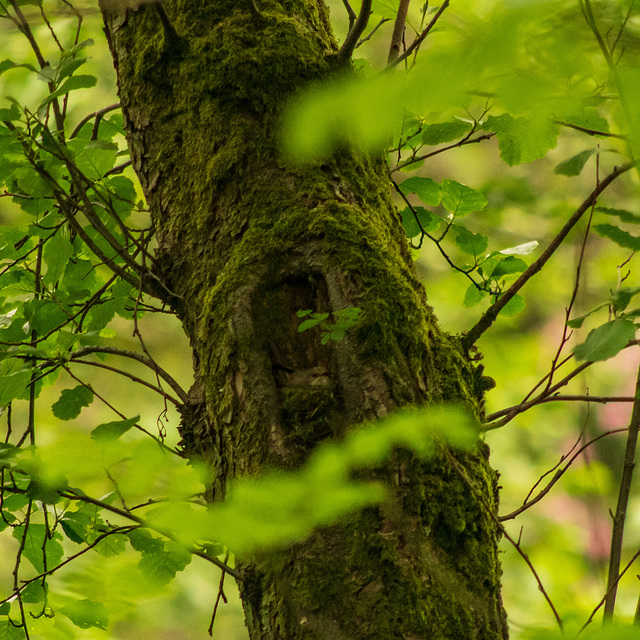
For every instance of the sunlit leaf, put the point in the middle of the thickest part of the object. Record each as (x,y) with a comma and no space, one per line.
(445,132)
(426,189)
(86,614)
(460,200)
(606,341)
(522,139)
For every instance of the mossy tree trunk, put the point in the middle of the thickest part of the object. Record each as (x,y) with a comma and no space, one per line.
(244,242)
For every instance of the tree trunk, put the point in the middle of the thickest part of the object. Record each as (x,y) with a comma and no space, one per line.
(244,242)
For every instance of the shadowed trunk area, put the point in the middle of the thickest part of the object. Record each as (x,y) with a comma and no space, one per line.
(245,241)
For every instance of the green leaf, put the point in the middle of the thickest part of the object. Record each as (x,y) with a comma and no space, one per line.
(113,430)
(620,237)
(445,132)
(38,542)
(429,221)
(574,165)
(160,561)
(9,631)
(623,214)
(426,189)
(589,119)
(12,386)
(522,139)
(71,84)
(72,530)
(34,593)
(513,307)
(96,157)
(86,614)
(11,114)
(460,199)
(162,566)
(5,607)
(473,244)
(509,265)
(57,252)
(71,401)
(606,341)
(474,296)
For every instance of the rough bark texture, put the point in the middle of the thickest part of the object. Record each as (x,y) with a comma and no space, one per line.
(244,242)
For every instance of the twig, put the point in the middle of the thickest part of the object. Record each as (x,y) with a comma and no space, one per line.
(26,583)
(220,596)
(71,495)
(621,508)
(355,32)
(350,12)
(591,132)
(368,37)
(420,39)
(510,412)
(626,568)
(566,333)
(460,143)
(96,114)
(398,31)
(492,312)
(558,474)
(125,353)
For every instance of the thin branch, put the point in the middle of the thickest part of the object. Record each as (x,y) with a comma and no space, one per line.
(126,374)
(604,597)
(96,114)
(558,474)
(125,353)
(71,495)
(460,143)
(420,39)
(492,312)
(66,561)
(350,12)
(591,132)
(368,37)
(398,31)
(355,32)
(621,508)
(220,596)
(511,412)
(566,333)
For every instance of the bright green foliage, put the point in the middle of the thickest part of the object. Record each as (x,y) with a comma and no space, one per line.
(520,74)
(344,320)
(606,341)
(86,614)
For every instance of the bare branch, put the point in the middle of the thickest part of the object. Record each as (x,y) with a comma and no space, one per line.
(356,31)
(621,508)
(398,31)
(420,39)
(492,312)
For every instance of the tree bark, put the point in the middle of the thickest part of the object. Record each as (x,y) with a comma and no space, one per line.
(244,242)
